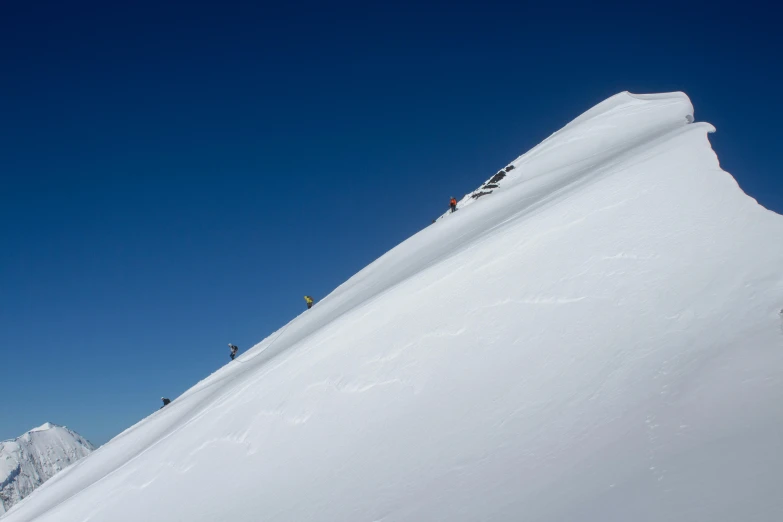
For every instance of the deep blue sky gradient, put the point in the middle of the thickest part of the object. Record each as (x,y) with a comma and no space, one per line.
(176,176)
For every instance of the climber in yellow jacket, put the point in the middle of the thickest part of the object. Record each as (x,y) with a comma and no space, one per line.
(309,301)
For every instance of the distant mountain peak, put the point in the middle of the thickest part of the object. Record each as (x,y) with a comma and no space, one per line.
(28,461)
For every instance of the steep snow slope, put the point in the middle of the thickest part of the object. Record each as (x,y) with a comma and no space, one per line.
(598,340)
(30,460)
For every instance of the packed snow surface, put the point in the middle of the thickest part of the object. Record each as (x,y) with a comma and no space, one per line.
(30,460)
(599,339)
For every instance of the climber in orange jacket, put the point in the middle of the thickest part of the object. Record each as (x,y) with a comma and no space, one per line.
(453,204)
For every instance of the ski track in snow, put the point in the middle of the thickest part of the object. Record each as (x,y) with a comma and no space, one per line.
(600,338)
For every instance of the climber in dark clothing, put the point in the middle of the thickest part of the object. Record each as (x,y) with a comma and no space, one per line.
(165,402)
(234,350)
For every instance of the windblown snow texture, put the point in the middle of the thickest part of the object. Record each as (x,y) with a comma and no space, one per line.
(597,339)
(30,460)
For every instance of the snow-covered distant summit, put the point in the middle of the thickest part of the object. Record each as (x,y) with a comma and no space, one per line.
(28,461)
(597,339)
(44,427)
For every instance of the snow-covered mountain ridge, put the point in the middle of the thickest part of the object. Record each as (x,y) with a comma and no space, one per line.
(598,339)
(28,461)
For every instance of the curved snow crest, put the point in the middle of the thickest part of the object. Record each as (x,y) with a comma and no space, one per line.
(626,100)
(592,342)
(594,135)
(612,128)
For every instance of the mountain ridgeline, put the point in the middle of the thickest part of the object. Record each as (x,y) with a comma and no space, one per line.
(595,336)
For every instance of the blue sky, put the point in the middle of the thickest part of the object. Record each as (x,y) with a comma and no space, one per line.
(176,177)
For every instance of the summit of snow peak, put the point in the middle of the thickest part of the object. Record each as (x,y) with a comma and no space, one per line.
(597,337)
(45,426)
(33,458)
(611,130)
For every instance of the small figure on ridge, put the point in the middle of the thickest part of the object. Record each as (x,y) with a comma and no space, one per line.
(453,203)
(165,402)
(309,301)
(234,350)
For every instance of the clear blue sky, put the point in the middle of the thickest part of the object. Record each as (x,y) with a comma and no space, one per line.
(176,177)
